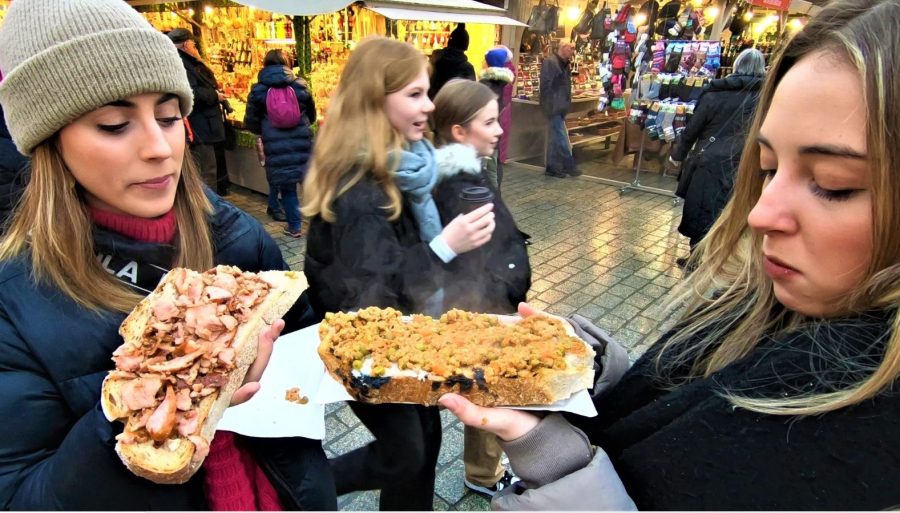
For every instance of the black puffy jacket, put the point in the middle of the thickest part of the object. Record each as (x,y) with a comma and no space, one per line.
(58,453)
(723,112)
(287,149)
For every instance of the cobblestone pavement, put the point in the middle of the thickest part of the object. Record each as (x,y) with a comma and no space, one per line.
(606,256)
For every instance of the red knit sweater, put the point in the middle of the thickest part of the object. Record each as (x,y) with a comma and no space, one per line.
(233,480)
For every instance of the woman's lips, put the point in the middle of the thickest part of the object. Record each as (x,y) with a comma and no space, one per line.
(777,269)
(156,183)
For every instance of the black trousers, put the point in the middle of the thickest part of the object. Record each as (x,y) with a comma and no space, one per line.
(298,469)
(400,462)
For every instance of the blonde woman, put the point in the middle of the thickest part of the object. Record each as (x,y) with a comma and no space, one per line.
(777,390)
(375,238)
(114,201)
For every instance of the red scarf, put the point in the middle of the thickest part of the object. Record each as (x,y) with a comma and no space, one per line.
(233,480)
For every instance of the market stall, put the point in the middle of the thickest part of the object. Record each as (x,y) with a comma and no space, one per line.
(235,36)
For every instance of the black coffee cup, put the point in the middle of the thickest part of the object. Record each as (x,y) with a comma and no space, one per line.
(474,197)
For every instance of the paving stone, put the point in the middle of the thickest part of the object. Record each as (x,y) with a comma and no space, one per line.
(451,448)
(621,290)
(640,300)
(448,484)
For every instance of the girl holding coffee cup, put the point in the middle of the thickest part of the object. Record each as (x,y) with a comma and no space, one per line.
(495,277)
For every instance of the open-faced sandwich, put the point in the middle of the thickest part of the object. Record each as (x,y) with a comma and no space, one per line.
(187,348)
(383,357)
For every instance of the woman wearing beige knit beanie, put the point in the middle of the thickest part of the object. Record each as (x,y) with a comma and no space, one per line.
(96,97)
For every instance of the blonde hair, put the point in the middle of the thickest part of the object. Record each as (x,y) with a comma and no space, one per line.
(52,226)
(357,139)
(457,103)
(729,302)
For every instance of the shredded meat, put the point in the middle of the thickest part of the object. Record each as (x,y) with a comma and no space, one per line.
(186,351)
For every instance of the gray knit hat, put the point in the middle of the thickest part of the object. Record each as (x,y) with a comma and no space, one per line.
(64,58)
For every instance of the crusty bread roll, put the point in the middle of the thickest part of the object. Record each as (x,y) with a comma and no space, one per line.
(382,357)
(144,381)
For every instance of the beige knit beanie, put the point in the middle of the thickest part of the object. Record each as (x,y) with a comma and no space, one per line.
(61,59)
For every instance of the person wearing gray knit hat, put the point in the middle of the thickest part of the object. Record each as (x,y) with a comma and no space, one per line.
(97,52)
(96,97)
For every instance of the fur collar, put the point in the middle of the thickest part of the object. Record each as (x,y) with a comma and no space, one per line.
(453,159)
(499,74)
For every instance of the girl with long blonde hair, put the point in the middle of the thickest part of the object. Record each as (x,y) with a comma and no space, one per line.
(777,388)
(376,239)
(114,201)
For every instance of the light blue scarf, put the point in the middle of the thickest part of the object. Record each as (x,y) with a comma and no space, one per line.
(416,176)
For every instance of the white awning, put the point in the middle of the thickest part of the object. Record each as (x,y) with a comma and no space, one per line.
(395,13)
(297,7)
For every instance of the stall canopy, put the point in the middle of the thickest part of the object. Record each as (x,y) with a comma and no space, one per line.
(458,11)
(297,7)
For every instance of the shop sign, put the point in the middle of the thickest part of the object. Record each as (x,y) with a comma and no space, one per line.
(781,5)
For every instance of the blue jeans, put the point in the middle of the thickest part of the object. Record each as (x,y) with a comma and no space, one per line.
(289,200)
(559,153)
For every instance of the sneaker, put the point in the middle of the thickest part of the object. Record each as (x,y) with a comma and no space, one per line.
(554,174)
(292,233)
(277,215)
(507,480)
(574,172)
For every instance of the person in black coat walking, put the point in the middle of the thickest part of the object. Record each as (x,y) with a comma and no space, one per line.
(451,62)
(712,142)
(287,150)
(376,239)
(207,119)
(114,203)
(13,171)
(777,387)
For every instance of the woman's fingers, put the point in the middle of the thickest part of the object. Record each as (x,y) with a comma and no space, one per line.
(505,423)
(244,393)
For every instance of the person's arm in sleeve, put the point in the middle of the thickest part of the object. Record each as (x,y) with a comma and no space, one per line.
(307,103)
(702,115)
(204,93)
(560,470)
(253,115)
(611,360)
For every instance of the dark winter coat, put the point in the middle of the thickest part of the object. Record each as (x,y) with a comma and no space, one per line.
(365,259)
(206,118)
(495,277)
(450,63)
(723,112)
(13,172)
(688,448)
(59,452)
(287,149)
(556,86)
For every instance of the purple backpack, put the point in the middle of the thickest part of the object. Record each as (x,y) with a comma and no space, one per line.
(282,107)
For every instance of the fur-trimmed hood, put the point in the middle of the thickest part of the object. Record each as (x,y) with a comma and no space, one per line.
(499,74)
(453,159)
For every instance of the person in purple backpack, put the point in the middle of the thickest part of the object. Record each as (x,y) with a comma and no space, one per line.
(286,135)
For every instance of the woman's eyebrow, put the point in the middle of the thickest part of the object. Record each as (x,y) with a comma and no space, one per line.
(129,104)
(829,150)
